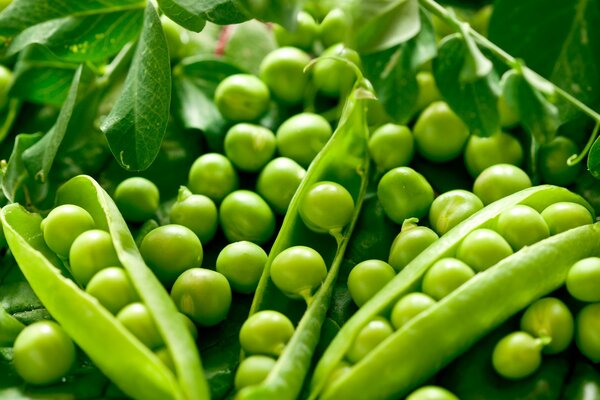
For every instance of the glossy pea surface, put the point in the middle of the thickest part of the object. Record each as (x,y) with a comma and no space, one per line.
(113,289)
(408,244)
(404,193)
(302,136)
(242,263)
(517,355)
(327,207)
(244,215)
(266,332)
(278,181)
(451,208)
(583,280)
(483,248)
(375,332)
(408,307)
(63,225)
(298,270)
(563,216)
(551,319)
(213,175)
(137,198)
(499,181)
(137,319)
(91,251)
(445,276)
(249,146)
(522,226)
(367,278)
(587,328)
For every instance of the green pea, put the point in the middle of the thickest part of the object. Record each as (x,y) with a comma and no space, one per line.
(327,207)
(587,328)
(196,212)
(242,263)
(334,28)
(137,319)
(404,193)
(302,137)
(43,353)
(508,116)
(112,288)
(91,252)
(266,332)
(335,78)
(451,208)
(563,216)
(171,249)
(583,280)
(283,72)
(297,271)
(483,152)
(6,79)
(190,325)
(137,199)
(552,158)
(203,295)
(242,98)
(446,275)
(302,36)
(408,307)
(431,393)
(249,147)
(391,146)
(369,337)
(63,225)
(522,226)
(213,175)
(253,370)
(409,243)
(483,248)
(549,318)
(278,182)
(164,355)
(499,181)
(367,278)
(517,355)
(428,91)
(338,372)
(244,215)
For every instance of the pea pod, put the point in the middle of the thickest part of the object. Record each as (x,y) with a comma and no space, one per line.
(488,299)
(135,369)
(343,160)
(9,328)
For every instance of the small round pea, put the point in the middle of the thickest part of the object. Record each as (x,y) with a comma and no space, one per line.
(164,355)
(335,78)
(62,226)
(517,355)
(137,198)
(522,226)
(431,393)
(369,337)
(367,278)
(338,372)
(137,319)
(334,28)
(588,326)
(266,332)
(242,263)
(583,280)
(327,207)
(283,72)
(196,212)
(278,182)
(563,216)
(253,370)
(483,248)
(408,307)
(303,36)
(297,271)
(242,97)
(482,152)
(404,193)
(391,146)
(428,91)
(203,295)
(213,175)
(43,353)
(244,215)
(499,181)
(409,243)
(444,276)
(112,288)
(91,252)
(302,137)
(552,158)
(551,319)
(451,208)
(249,147)
(171,249)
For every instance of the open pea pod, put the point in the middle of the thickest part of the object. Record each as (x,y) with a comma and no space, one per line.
(117,353)
(344,160)
(432,339)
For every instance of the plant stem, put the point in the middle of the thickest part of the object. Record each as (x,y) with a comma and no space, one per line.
(439,11)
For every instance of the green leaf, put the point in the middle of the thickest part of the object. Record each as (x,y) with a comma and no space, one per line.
(593,162)
(381,24)
(40,77)
(187,13)
(9,116)
(82,38)
(563,44)
(282,12)
(248,44)
(15,175)
(138,121)
(476,65)
(39,157)
(393,72)
(475,102)
(537,115)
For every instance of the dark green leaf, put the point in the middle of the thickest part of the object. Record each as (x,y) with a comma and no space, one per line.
(393,72)
(41,77)
(283,12)
(559,39)
(16,174)
(187,13)
(83,38)
(138,121)
(476,65)
(537,115)
(382,24)
(248,44)
(593,162)
(39,157)
(475,102)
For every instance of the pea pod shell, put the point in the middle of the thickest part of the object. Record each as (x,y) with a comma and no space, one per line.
(9,328)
